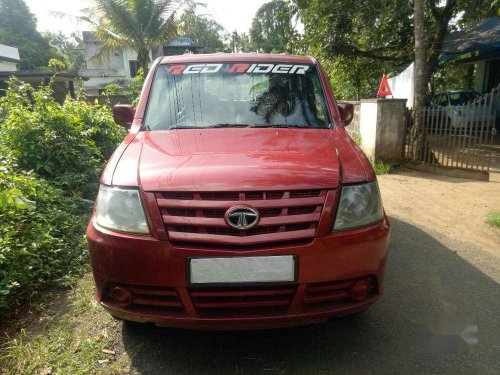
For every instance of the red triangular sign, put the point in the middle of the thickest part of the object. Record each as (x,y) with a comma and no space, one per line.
(384,88)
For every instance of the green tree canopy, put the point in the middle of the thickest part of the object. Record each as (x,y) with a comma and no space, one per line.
(235,42)
(272,28)
(139,24)
(381,31)
(64,50)
(202,31)
(18,29)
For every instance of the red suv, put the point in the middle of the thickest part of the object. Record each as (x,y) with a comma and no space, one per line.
(237,200)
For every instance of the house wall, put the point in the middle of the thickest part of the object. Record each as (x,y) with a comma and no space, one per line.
(402,85)
(111,69)
(9,56)
(115,69)
(7,66)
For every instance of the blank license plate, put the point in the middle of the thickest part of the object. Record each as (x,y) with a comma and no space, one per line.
(237,270)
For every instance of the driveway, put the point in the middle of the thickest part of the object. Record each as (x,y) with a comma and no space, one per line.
(429,284)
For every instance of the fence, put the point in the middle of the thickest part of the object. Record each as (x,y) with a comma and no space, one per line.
(456,136)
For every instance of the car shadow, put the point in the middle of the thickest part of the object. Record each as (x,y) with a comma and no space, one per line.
(426,283)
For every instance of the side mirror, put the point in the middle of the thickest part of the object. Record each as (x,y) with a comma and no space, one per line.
(346,112)
(123,114)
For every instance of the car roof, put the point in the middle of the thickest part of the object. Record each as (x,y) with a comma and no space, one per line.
(454,91)
(237,57)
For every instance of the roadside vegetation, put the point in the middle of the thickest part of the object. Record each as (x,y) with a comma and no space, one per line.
(51,157)
(493,219)
(77,338)
(379,167)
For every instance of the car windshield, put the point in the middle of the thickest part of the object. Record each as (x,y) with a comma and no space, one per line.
(464,97)
(236,95)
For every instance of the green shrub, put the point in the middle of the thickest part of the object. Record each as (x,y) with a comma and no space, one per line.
(131,91)
(65,143)
(51,156)
(41,243)
(493,219)
(381,168)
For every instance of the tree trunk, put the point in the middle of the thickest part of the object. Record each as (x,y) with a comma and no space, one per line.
(143,59)
(420,78)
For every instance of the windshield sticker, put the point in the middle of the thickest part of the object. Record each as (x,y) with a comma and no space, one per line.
(238,68)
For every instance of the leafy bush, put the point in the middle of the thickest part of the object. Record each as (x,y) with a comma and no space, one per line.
(41,243)
(65,143)
(381,168)
(131,91)
(51,156)
(493,219)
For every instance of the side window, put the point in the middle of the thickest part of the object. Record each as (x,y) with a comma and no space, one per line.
(443,100)
(320,101)
(440,100)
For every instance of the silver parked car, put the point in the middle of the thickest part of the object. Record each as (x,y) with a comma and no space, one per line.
(464,109)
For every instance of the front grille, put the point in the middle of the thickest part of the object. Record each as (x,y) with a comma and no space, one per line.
(198,217)
(236,301)
(242,301)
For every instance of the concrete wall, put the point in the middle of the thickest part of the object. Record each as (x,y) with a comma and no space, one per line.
(353,127)
(382,129)
(368,127)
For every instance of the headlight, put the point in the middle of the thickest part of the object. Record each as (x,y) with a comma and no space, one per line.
(120,210)
(360,205)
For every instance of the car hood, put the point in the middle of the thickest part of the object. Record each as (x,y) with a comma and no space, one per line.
(236,159)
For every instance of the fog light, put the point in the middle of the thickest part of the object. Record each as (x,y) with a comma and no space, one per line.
(120,296)
(360,290)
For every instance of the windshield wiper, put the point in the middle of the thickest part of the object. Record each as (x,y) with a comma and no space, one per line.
(228,126)
(183,127)
(279,126)
(209,126)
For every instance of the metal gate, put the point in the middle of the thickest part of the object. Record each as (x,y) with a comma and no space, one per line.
(456,136)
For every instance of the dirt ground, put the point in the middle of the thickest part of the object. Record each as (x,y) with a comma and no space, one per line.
(454,207)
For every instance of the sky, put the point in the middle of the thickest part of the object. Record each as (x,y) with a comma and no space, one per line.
(231,14)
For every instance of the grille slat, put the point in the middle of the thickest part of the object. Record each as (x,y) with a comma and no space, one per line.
(220,222)
(241,240)
(332,294)
(149,297)
(198,217)
(265,203)
(238,301)
(155,302)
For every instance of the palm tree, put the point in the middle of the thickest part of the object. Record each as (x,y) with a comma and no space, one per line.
(139,24)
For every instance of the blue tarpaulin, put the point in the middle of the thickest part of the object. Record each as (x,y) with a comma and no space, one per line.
(481,40)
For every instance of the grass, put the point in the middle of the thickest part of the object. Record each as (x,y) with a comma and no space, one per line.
(378,166)
(381,168)
(493,219)
(78,339)
(356,138)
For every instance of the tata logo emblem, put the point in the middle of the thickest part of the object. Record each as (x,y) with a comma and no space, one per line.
(241,217)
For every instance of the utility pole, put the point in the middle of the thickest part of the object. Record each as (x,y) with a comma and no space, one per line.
(419,74)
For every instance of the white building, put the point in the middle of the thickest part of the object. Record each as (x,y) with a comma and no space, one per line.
(9,58)
(122,66)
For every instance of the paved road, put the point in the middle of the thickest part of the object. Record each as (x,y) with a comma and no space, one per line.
(427,281)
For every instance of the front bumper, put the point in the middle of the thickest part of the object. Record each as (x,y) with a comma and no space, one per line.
(154,272)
